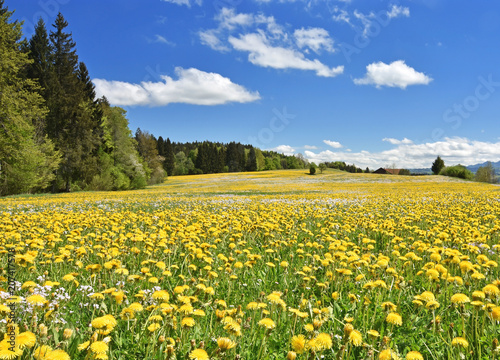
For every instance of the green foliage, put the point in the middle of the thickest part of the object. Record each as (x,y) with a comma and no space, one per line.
(404,172)
(458,171)
(27,158)
(147,147)
(486,174)
(322,167)
(437,165)
(312,169)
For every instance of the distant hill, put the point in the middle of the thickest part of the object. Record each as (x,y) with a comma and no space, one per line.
(473,168)
(496,166)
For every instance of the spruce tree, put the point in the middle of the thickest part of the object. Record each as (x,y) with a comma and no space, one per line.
(169,158)
(437,165)
(73,121)
(252,160)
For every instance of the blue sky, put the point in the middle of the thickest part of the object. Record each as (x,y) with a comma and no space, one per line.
(373,83)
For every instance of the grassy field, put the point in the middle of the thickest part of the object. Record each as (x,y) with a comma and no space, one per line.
(269,265)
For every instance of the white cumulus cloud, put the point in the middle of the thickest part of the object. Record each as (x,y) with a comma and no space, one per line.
(333,144)
(310,147)
(262,53)
(193,86)
(411,156)
(397,142)
(284,149)
(395,74)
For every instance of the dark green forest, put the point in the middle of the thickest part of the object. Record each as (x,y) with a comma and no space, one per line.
(56,135)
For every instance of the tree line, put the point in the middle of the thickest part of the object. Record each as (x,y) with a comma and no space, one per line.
(55,135)
(214,157)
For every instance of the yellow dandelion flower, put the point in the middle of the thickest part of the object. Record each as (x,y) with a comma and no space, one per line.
(225,344)
(36,300)
(373,333)
(67,333)
(198,354)
(394,318)
(84,346)
(478,295)
(99,347)
(460,299)
(356,338)
(414,355)
(491,290)
(388,354)
(188,322)
(161,295)
(291,355)
(432,305)
(233,328)
(153,327)
(28,284)
(426,296)
(495,313)
(460,342)
(57,355)
(298,343)
(41,352)
(389,306)
(267,323)
(253,306)
(97,296)
(309,327)
(155,318)
(323,341)
(26,339)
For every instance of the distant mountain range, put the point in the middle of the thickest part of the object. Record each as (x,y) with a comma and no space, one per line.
(473,168)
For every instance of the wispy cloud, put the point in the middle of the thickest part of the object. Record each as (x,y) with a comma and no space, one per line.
(193,86)
(316,39)
(395,74)
(268,44)
(160,40)
(185,2)
(409,155)
(262,53)
(398,11)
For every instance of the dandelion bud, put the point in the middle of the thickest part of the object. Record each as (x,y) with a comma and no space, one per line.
(161,339)
(348,328)
(193,344)
(95,336)
(43,330)
(67,333)
(291,355)
(170,351)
